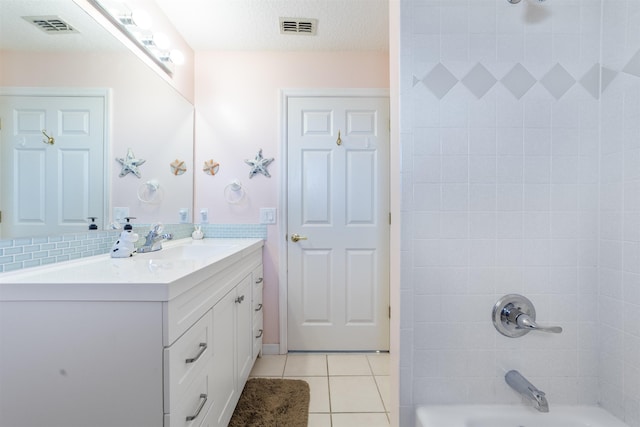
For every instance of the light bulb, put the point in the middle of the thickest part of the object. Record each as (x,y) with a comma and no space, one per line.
(161,40)
(141,19)
(177,57)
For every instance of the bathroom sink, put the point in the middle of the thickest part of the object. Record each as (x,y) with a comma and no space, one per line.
(193,251)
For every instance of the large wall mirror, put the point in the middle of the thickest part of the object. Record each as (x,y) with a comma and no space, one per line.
(143,115)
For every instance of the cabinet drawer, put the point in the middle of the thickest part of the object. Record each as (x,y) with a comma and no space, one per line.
(185,361)
(194,405)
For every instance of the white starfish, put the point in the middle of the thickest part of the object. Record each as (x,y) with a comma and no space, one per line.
(130,164)
(259,165)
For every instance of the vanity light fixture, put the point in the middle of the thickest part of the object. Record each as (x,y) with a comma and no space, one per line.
(153,45)
(155,40)
(137,18)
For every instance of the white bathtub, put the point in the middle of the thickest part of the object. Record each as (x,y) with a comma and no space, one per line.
(514,416)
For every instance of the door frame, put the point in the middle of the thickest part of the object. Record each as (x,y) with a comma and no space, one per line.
(106,95)
(283,267)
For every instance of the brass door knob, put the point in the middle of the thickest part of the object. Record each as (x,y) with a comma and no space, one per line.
(296,237)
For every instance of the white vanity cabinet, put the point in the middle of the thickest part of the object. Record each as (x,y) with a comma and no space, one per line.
(130,358)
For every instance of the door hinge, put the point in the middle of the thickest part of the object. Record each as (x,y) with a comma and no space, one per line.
(389,312)
(389,218)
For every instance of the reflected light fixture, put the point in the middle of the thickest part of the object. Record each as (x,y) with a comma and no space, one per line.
(138,18)
(136,26)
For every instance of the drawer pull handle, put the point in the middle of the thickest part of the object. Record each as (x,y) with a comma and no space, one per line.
(259,280)
(203,347)
(203,400)
(260,334)
(259,307)
(240,299)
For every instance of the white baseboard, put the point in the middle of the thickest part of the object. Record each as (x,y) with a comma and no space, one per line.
(270,348)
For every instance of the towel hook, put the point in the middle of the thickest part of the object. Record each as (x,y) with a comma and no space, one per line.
(50,140)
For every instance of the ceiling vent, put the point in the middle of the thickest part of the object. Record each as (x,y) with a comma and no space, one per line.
(51,24)
(302,26)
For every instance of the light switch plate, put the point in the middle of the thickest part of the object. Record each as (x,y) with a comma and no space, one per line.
(267,215)
(204,216)
(183,215)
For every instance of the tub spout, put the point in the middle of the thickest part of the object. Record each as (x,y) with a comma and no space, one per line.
(527,390)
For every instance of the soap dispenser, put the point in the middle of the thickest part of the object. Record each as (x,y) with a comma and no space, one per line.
(124,246)
(128,225)
(93,225)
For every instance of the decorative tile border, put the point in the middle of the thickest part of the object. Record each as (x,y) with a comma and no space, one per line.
(518,80)
(22,253)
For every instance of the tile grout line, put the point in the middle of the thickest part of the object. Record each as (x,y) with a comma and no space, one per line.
(329,391)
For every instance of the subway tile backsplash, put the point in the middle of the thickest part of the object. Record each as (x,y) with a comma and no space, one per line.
(16,254)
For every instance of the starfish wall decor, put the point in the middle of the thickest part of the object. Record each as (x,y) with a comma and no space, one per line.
(178,167)
(259,165)
(211,167)
(130,164)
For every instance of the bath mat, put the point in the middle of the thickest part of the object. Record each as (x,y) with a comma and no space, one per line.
(267,402)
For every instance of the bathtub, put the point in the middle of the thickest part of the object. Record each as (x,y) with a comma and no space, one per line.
(514,416)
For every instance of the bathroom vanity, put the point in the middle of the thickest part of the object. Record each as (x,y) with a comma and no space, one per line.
(166,338)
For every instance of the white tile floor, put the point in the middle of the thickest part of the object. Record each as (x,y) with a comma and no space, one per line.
(347,390)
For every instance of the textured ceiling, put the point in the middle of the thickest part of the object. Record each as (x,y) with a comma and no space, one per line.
(18,34)
(254,24)
(211,25)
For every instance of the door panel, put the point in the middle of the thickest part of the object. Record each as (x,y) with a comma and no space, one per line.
(361,288)
(338,201)
(316,182)
(30,179)
(361,187)
(316,294)
(73,174)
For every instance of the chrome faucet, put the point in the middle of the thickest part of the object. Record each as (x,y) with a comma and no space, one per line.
(520,384)
(153,240)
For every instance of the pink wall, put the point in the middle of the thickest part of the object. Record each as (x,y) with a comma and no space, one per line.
(238,112)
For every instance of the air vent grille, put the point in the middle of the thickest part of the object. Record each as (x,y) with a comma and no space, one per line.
(301,26)
(51,24)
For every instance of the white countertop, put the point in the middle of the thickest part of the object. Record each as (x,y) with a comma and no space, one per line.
(142,277)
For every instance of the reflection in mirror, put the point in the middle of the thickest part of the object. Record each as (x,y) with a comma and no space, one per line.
(142,113)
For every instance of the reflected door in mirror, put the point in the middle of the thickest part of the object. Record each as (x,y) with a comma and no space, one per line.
(51,183)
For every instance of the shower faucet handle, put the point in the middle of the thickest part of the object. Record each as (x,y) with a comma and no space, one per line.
(514,316)
(524,321)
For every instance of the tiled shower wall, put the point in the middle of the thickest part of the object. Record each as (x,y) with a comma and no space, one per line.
(501,113)
(619,266)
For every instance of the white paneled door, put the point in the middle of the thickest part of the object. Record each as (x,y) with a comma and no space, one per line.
(338,223)
(52,163)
